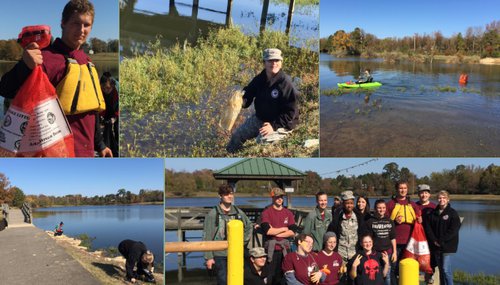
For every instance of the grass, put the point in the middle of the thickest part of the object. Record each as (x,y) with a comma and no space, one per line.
(446,89)
(105,56)
(172,98)
(106,265)
(476,279)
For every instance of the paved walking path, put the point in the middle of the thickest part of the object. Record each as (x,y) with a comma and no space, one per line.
(29,256)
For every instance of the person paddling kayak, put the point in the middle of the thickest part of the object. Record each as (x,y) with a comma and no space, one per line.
(365,77)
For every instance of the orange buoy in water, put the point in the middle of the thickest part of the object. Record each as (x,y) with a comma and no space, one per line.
(463,78)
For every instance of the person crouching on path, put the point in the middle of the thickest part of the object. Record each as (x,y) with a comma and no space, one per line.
(275,101)
(137,255)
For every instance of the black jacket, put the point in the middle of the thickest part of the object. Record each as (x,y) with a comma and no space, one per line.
(337,219)
(275,101)
(132,251)
(443,228)
(252,278)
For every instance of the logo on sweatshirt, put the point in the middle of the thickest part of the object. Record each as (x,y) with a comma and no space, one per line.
(275,93)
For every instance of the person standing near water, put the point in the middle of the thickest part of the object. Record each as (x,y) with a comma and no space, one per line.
(442,234)
(215,228)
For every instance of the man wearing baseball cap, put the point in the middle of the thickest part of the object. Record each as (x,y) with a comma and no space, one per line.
(278,225)
(275,101)
(257,271)
(426,207)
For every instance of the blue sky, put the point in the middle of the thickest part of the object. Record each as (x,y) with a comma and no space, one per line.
(328,167)
(88,177)
(14,15)
(391,18)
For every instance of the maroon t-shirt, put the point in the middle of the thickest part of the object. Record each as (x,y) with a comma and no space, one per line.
(82,125)
(302,266)
(331,262)
(277,219)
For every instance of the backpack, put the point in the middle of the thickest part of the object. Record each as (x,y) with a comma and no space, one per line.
(232,216)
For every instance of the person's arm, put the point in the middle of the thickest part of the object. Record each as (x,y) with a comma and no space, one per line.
(355,262)
(290,278)
(308,224)
(289,110)
(14,79)
(452,230)
(385,258)
(248,228)
(129,266)
(286,234)
(209,232)
(250,91)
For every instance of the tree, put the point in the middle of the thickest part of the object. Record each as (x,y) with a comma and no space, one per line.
(18,197)
(113,45)
(391,171)
(98,45)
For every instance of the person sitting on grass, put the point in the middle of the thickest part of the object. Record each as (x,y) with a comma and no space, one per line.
(275,101)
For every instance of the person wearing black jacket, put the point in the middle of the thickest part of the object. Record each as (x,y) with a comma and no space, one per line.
(257,269)
(275,100)
(137,255)
(442,235)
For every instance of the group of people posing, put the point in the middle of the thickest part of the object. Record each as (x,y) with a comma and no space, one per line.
(351,244)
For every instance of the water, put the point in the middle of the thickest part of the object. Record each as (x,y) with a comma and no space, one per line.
(142,20)
(108,224)
(407,115)
(477,251)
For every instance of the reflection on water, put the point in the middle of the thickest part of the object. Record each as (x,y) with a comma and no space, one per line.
(108,224)
(141,21)
(479,233)
(411,114)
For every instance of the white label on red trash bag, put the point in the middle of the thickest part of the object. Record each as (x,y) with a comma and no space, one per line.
(418,247)
(44,127)
(12,129)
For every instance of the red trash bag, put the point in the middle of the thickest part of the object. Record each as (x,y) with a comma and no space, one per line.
(35,124)
(418,248)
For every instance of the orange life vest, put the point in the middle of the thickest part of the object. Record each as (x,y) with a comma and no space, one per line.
(463,78)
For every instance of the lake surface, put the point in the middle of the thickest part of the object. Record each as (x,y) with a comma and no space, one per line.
(108,224)
(177,21)
(408,115)
(479,234)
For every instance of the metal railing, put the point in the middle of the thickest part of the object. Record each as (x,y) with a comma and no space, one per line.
(26,209)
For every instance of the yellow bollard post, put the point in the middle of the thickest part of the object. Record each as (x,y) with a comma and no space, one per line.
(408,272)
(235,252)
